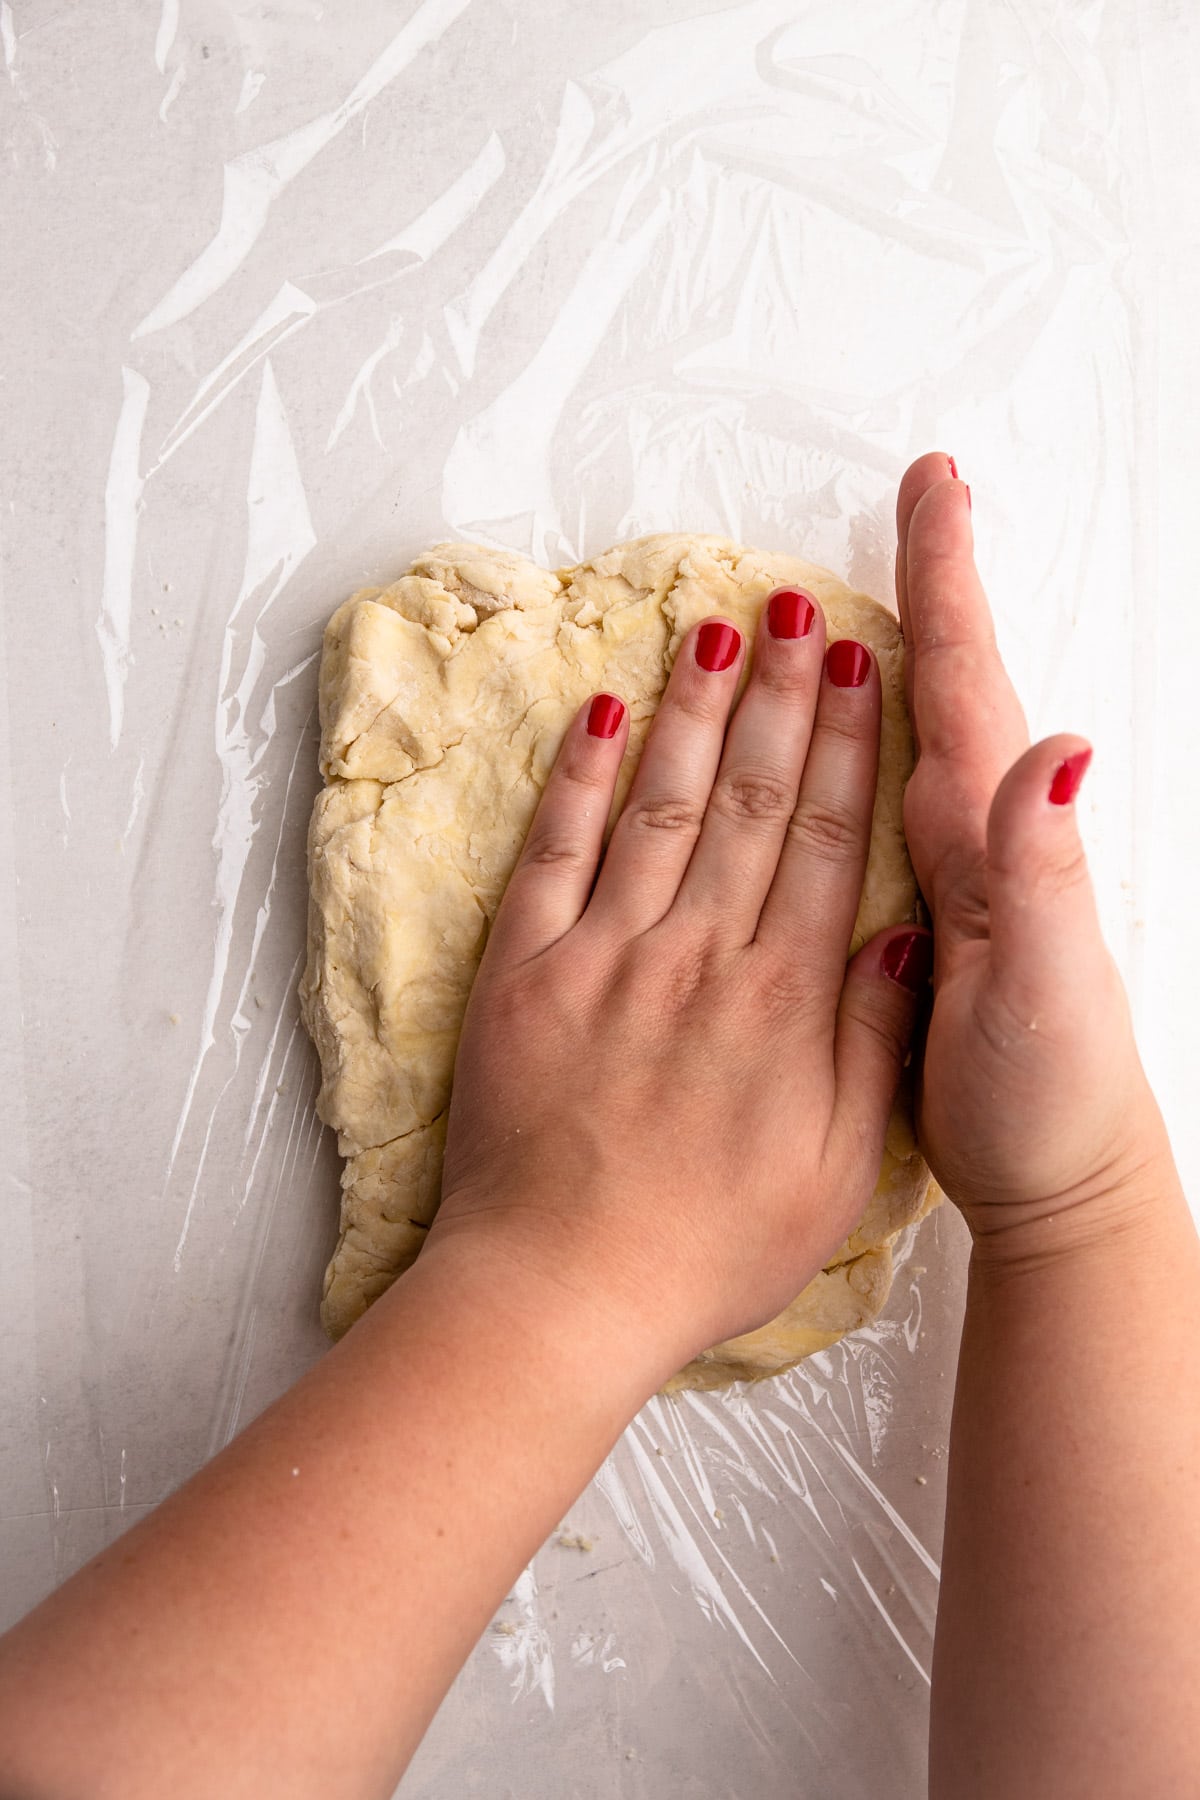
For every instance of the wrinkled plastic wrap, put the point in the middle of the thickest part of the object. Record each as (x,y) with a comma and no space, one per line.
(292,292)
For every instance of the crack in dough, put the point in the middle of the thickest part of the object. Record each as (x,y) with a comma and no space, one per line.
(444,699)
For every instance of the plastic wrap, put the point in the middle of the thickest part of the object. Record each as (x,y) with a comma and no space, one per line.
(294,291)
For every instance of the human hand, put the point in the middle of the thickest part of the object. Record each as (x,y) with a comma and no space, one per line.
(1033,1105)
(671,1092)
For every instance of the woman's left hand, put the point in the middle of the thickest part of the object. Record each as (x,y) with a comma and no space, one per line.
(671,1090)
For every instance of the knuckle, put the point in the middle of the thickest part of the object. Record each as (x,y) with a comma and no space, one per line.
(581,771)
(752,795)
(654,813)
(1066,870)
(547,850)
(662,975)
(682,984)
(784,676)
(1060,870)
(695,696)
(964,905)
(881,1022)
(826,828)
(787,992)
(846,724)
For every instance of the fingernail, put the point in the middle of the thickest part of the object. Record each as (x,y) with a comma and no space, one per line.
(848,663)
(790,613)
(716,646)
(967,485)
(908,960)
(605,715)
(953,468)
(1068,777)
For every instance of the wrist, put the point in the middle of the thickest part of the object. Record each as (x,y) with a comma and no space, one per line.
(1101,1218)
(564,1301)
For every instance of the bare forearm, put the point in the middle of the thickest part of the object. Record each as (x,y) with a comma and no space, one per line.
(1071,1574)
(288,1622)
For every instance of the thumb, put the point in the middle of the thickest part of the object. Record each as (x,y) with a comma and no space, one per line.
(886,986)
(1041,909)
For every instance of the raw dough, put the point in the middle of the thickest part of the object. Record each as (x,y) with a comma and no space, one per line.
(443,701)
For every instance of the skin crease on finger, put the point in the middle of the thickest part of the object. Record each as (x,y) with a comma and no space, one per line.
(648,1037)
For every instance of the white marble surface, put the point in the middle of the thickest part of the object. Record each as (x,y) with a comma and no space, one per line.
(293,290)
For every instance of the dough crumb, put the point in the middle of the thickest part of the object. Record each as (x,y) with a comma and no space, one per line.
(922,1480)
(174,1018)
(574,1540)
(502,1628)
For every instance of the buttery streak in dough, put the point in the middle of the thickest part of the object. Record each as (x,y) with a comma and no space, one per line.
(444,699)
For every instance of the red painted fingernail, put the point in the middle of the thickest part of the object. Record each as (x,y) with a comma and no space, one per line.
(953,468)
(790,613)
(605,715)
(1068,777)
(967,485)
(848,663)
(716,646)
(908,960)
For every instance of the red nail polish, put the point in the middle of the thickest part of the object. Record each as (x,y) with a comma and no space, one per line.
(716,646)
(1068,777)
(953,468)
(967,485)
(848,663)
(908,959)
(605,715)
(790,613)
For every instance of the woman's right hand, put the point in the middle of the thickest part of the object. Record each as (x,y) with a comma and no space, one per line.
(1034,1112)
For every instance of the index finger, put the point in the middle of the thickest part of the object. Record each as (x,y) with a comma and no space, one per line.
(548,889)
(925,473)
(964,709)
